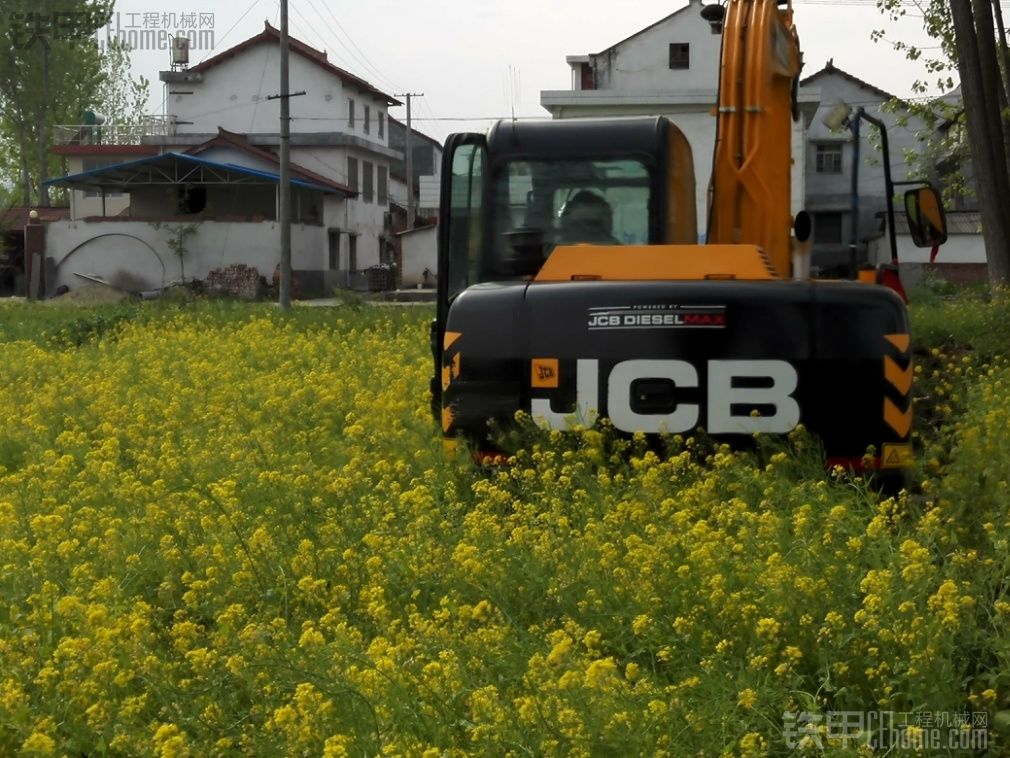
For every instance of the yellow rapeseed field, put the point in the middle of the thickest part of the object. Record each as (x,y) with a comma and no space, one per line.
(226,531)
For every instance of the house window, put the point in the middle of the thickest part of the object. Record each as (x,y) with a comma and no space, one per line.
(350,113)
(680,55)
(382,185)
(352,173)
(828,228)
(366,181)
(382,124)
(829,158)
(352,252)
(368,114)
(334,249)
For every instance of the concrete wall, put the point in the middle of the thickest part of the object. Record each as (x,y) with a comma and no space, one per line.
(154,201)
(353,214)
(233,95)
(419,252)
(643,62)
(105,248)
(961,259)
(959,248)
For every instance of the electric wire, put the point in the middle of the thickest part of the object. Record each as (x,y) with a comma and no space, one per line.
(217,42)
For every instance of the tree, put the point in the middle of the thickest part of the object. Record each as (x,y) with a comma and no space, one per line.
(983,91)
(51,71)
(121,98)
(976,124)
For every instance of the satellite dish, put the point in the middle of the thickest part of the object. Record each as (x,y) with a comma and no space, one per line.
(837,117)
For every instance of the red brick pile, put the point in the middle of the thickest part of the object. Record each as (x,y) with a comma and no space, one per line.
(237,280)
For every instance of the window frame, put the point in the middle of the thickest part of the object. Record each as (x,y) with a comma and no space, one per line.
(680,56)
(825,150)
(333,250)
(382,184)
(367,181)
(352,173)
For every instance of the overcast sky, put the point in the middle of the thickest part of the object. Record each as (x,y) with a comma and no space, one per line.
(476,59)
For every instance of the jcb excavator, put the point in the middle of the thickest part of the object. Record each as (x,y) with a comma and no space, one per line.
(571,285)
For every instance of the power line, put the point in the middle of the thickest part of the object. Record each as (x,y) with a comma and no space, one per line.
(332,34)
(364,58)
(230,30)
(319,40)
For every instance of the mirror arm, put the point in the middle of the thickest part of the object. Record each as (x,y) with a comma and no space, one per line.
(888,184)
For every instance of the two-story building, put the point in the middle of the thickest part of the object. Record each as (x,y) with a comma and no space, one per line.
(209,164)
(670,68)
(829,163)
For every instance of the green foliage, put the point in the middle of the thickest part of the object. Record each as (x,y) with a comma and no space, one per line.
(938,61)
(81,77)
(943,149)
(973,319)
(89,328)
(178,234)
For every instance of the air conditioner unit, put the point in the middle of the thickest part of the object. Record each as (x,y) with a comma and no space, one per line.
(180,51)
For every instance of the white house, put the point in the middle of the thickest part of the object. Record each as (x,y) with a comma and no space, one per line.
(670,68)
(829,163)
(223,119)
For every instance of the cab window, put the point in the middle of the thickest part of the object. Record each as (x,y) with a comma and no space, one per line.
(540,204)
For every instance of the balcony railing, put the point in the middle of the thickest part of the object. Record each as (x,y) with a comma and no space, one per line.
(114,134)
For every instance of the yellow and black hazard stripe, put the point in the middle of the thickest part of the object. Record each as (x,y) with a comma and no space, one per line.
(896,451)
(451,365)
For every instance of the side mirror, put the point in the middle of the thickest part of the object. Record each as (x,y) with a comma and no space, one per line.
(926,221)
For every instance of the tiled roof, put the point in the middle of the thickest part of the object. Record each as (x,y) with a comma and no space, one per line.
(271,35)
(831,68)
(241,142)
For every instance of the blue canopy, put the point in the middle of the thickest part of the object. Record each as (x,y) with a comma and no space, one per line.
(181,168)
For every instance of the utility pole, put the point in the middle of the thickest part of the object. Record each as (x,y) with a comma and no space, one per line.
(409,159)
(284,296)
(43,131)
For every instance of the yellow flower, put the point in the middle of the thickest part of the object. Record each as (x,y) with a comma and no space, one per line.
(747,698)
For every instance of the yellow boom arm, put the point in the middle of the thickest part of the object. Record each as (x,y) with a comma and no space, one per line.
(753,154)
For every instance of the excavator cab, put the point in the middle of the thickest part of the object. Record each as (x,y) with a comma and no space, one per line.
(514,195)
